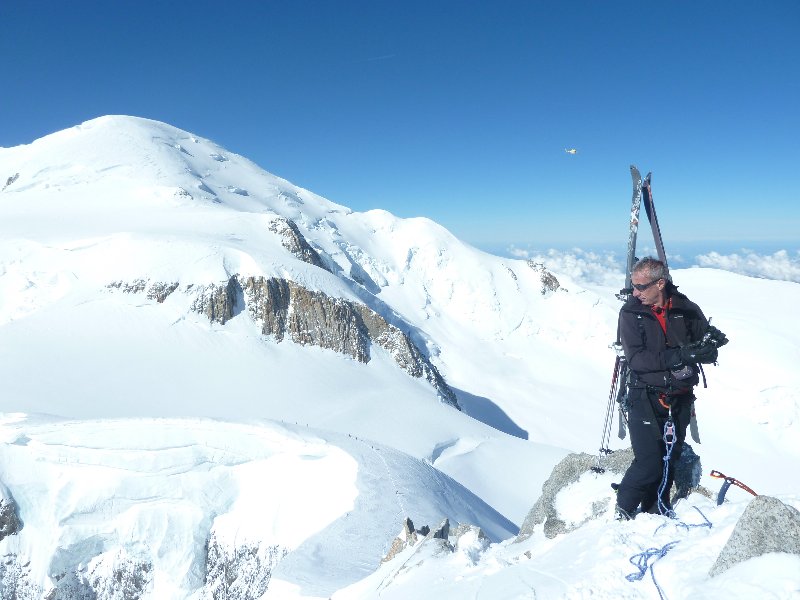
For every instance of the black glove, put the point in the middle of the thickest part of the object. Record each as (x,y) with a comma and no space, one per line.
(715,336)
(704,352)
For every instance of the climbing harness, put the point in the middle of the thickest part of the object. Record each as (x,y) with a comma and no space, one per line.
(726,484)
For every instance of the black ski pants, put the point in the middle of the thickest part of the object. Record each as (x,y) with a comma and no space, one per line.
(646,419)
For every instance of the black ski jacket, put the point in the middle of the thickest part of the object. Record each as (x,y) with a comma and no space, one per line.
(645,344)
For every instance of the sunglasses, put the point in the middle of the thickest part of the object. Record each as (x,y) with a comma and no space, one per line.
(643,286)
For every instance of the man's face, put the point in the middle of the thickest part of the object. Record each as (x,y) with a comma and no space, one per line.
(653,292)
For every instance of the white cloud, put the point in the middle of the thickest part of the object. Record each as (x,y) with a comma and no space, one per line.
(780,265)
(601,268)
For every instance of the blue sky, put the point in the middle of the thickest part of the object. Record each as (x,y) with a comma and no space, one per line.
(458,111)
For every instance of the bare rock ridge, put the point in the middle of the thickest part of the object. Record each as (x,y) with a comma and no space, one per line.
(444,539)
(549,281)
(294,242)
(285,309)
(9,521)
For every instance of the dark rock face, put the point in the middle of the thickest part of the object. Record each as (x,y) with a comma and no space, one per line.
(442,539)
(158,290)
(9,521)
(239,573)
(294,242)
(118,576)
(767,525)
(217,302)
(549,281)
(287,309)
(15,580)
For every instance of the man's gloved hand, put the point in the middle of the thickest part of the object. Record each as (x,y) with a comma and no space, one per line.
(701,352)
(716,336)
(705,353)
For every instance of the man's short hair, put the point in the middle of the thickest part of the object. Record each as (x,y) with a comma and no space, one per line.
(653,267)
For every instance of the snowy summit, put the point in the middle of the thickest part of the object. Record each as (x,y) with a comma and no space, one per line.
(217,384)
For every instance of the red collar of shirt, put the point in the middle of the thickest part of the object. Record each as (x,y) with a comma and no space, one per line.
(661,314)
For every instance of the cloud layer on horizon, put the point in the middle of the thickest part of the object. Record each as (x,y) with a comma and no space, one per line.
(607,268)
(780,265)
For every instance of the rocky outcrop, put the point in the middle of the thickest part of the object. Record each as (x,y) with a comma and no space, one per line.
(404,352)
(286,309)
(465,538)
(157,290)
(565,473)
(549,281)
(217,302)
(9,520)
(574,466)
(294,242)
(767,525)
(242,572)
(116,576)
(407,537)
(15,579)
(10,180)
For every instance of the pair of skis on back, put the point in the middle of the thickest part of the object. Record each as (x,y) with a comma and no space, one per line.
(642,195)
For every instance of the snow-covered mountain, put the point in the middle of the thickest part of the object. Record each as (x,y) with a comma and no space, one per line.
(218,383)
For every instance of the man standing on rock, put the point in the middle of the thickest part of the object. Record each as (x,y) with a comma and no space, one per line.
(664,336)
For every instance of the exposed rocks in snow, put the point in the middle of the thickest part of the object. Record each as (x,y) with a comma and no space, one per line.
(549,281)
(217,302)
(442,532)
(464,537)
(294,242)
(15,580)
(115,575)
(308,317)
(568,471)
(158,290)
(136,286)
(767,525)
(242,572)
(10,180)
(408,537)
(287,309)
(9,521)
(574,466)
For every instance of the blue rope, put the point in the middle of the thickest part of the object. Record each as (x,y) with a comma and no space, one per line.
(640,561)
(687,526)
